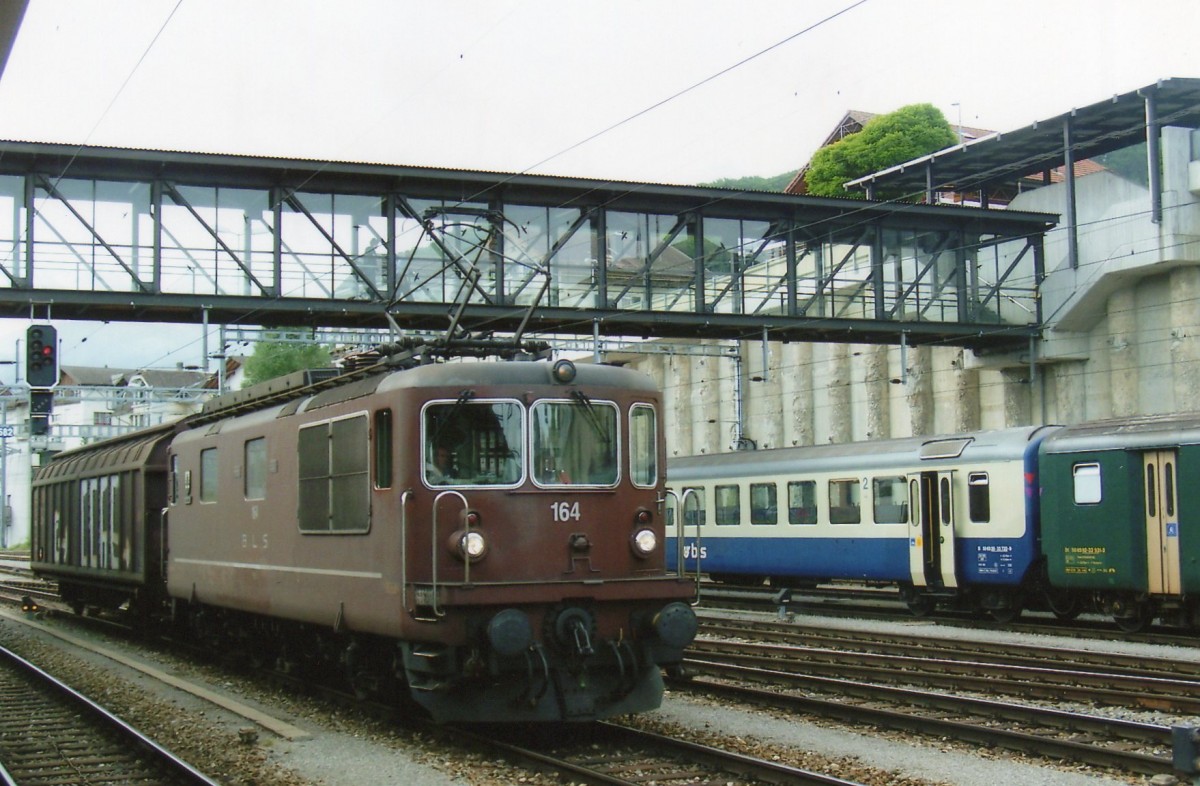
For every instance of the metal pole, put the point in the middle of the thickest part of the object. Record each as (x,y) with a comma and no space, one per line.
(204,339)
(1069,181)
(1152,156)
(766,358)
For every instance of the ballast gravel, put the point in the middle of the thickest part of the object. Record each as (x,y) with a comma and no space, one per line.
(347,748)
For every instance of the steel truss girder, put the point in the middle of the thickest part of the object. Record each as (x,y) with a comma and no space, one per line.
(493,272)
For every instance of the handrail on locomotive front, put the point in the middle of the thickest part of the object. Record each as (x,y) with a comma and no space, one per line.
(435,543)
(681,529)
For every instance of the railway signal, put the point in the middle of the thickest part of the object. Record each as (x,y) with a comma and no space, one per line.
(41,356)
(41,404)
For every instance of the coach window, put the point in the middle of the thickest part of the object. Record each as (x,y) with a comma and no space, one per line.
(643,445)
(693,507)
(764,509)
(979,497)
(890,500)
(802,502)
(383,449)
(256,468)
(845,506)
(729,505)
(208,475)
(1087,484)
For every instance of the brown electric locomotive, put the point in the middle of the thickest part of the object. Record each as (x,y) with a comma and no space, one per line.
(484,537)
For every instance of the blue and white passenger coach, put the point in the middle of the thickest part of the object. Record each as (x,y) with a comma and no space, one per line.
(950,520)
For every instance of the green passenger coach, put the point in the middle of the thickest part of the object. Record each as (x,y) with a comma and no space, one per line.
(1120,501)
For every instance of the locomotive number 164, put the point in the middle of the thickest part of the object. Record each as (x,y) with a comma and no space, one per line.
(565,511)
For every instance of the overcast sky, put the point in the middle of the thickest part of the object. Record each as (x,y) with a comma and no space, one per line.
(649,90)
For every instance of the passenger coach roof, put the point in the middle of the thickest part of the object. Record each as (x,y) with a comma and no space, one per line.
(1125,433)
(1001,444)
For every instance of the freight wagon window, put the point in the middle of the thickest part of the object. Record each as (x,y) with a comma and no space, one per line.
(890,500)
(574,442)
(473,444)
(764,509)
(729,506)
(844,503)
(979,497)
(1087,484)
(802,502)
(643,445)
(256,468)
(208,475)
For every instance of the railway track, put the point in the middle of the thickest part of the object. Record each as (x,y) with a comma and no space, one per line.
(919,693)
(1011,669)
(613,755)
(49,734)
(884,604)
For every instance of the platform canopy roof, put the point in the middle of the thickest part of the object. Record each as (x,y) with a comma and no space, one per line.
(1002,158)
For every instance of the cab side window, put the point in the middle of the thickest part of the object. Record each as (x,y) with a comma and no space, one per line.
(208,475)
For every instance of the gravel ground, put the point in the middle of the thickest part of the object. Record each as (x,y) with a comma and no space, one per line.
(346,748)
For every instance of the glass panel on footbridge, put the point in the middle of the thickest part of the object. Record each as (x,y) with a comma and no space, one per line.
(92,235)
(217,241)
(650,266)
(745,267)
(12,223)
(334,246)
(549,248)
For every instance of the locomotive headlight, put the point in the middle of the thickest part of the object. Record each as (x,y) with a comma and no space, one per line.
(473,545)
(470,545)
(644,542)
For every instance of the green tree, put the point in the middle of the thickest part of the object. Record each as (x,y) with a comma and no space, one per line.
(909,132)
(754,182)
(273,359)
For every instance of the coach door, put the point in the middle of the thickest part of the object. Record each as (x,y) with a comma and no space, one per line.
(1161,504)
(931,533)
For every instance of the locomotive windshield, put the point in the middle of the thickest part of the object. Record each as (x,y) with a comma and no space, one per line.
(473,443)
(574,442)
